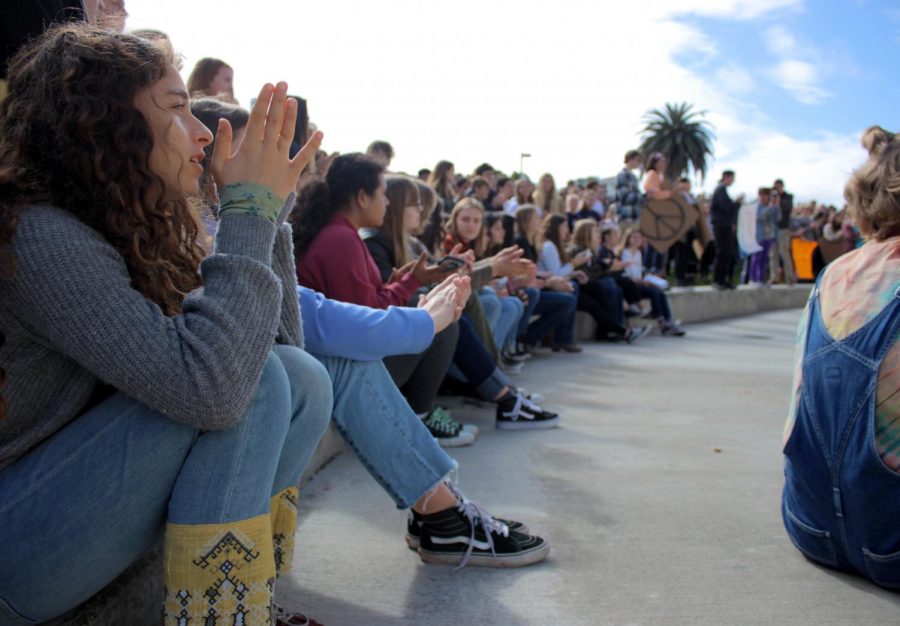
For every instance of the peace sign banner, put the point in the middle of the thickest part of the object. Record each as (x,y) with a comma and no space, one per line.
(663,222)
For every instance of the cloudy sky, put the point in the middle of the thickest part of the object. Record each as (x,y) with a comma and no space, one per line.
(789,85)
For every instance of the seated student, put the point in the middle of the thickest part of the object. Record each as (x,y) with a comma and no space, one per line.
(419,376)
(594,297)
(633,256)
(605,264)
(373,417)
(333,259)
(841,499)
(146,391)
(557,304)
(464,231)
(496,238)
(404,367)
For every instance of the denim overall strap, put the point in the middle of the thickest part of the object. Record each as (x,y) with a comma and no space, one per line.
(839,498)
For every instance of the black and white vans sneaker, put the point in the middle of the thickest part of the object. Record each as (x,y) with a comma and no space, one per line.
(516,412)
(414,528)
(467,535)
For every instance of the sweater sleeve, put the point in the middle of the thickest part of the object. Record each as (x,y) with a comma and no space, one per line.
(362,333)
(549,261)
(344,271)
(290,328)
(72,290)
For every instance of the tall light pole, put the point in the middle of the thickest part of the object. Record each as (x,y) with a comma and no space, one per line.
(522,157)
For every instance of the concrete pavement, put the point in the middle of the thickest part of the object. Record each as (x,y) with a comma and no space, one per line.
(659,495)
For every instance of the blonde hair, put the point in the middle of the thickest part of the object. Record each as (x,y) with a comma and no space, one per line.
(873,191)
(583,233)
(477,244)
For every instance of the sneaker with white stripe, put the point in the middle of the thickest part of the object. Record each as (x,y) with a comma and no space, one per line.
(516,412)
(466,535)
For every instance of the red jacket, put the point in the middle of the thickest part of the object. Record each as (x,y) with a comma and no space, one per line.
(339,265)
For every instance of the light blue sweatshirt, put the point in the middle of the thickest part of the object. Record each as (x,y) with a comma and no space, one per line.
(361,333)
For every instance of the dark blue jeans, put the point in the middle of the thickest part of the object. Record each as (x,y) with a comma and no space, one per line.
(556,311)
(474,363)
(659,303)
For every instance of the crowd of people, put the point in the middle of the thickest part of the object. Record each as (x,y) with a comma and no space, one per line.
(192,290)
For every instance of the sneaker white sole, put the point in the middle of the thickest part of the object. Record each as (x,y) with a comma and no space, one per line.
(528,424)
(464,438)
(519,559)
(471,428)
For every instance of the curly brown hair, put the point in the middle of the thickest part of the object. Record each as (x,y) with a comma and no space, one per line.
(873,191)
(71,136)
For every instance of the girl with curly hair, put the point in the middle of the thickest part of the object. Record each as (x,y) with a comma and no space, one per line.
(150,392)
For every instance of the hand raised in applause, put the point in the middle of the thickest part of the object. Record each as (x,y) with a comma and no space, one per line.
(263,155)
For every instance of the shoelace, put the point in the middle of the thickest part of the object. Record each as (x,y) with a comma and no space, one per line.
(498,526)
(475,515)
(443,419)
(523,402)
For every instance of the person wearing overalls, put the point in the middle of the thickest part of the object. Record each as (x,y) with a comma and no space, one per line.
(841,498)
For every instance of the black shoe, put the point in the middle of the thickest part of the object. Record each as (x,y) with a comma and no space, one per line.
(466,535)
(414,526)
(516,412)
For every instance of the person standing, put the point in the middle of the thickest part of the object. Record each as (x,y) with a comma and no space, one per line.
(628,194)
(724,220)
(782,250)
(766,233)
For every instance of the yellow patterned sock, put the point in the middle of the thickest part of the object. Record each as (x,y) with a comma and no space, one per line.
(284,525)
(220,573)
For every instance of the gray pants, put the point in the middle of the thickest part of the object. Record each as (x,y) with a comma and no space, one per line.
(783,251)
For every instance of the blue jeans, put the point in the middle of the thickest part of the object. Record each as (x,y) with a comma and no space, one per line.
(374,418)
(89,501)
(503,315)
(557,315)
(659,303)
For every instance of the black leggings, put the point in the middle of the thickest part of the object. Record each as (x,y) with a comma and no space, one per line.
(419,376)
(593,300)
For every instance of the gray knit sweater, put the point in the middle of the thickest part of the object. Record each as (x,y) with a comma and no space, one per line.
(72,321)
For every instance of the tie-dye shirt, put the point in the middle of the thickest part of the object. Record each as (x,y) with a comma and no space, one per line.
(854,289)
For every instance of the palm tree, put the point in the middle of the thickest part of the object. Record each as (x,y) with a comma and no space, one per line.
(677,132)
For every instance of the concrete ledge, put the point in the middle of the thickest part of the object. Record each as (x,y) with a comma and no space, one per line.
(703,304)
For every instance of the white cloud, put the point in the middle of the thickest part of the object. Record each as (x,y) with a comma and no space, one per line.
(484,81)
(801,80)
(798,69)
(780,41)
(735,79)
